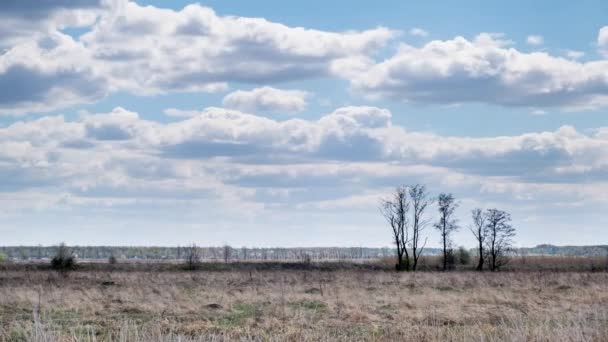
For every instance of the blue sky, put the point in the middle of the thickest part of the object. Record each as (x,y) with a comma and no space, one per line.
(262,124)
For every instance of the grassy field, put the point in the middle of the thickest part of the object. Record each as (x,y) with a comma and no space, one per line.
(131,303)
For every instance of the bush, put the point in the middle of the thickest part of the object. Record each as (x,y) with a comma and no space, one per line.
(451,259)
(3,257)
(64,260)
(463,256)
(112,260)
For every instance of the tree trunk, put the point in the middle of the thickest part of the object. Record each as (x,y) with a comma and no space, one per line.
(445,253)
(481,259)
(399,265)
(493,258)
(415,261)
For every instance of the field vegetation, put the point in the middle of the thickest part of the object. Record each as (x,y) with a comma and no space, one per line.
(531,299)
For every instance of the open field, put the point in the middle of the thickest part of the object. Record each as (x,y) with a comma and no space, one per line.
(261,303)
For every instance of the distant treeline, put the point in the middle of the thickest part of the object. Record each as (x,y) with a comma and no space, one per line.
(264,254)
(600,250)
(206,253)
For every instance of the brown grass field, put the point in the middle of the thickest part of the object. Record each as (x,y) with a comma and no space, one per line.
(538,299)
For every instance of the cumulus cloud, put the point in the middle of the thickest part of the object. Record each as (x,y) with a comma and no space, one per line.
(27,20)
(485,69)
(42,69)
(148,50)
(535,40)
(46,75)
(119,124)
(235,162)
(348,134)
(267,99)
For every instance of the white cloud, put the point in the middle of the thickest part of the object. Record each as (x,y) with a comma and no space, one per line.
(485,70)
(119,124)
(418,32)
(572,54)
(150,50)
(147,50)
(539,112)
(267,99)
(602,41)
(535,40)
(348,134)
(48,74)
(30,20)
(42,69)
(116,163)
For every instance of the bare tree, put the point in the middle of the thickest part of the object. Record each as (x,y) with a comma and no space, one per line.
(264,254)
(446,204)
(499,233)
(479,231)
(193,257)
(420,200)
(395,211)
(227,253)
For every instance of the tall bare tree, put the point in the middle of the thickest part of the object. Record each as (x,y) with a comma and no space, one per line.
(419,199)
(446,204)
(395,210)
(479,231)
(499,233)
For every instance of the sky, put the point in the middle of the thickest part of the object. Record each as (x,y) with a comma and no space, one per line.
(260,124)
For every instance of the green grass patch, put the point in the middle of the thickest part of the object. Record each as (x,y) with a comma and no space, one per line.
(313,305)
(239,314)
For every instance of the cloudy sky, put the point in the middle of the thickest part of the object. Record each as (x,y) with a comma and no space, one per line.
(258,124)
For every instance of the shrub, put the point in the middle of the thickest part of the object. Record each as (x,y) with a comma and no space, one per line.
(3,257)
(63,260)
(112,260)
(451,259)
(463,256)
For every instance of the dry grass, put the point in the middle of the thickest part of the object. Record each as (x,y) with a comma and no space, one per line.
(534,263)
(296,305)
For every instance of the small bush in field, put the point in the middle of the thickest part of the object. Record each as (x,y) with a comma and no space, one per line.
(64,260)
(3,257)
(112,260)
(463,256)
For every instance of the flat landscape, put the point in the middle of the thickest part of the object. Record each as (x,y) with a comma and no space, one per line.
(302,302)
(425,171)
